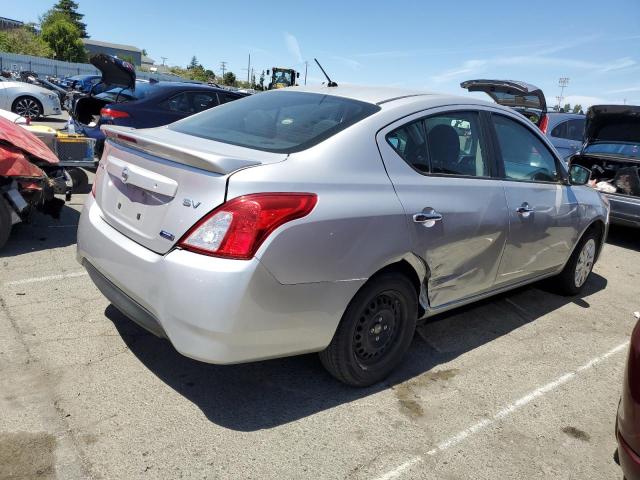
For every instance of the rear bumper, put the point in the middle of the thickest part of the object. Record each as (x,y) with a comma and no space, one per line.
(211,309)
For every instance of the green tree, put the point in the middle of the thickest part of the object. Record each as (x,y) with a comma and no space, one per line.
(193,63)
(577,108)
(70,9)
(262,80)
(24,42)
(567,107)
(63,37)
(229,78)
(144,52)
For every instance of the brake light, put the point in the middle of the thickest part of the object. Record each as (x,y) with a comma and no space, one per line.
(544,124)
(237,228)
(110,113)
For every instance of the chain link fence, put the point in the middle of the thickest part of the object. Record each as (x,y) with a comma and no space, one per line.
(44,67)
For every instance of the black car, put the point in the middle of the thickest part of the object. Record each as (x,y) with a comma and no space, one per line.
(140,104)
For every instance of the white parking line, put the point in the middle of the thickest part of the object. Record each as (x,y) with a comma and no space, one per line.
(46,279)
(500,414)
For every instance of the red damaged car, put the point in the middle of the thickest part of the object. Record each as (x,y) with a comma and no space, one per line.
(628,421)
(24,184)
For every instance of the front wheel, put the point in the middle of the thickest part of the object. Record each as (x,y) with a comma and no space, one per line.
(374,333)
(577,270)
(27,107)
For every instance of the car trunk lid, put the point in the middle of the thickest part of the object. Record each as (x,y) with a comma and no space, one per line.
(510,93)
(115,72)
(154,184)
(613,124)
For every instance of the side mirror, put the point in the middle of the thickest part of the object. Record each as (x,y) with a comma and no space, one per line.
(579,175)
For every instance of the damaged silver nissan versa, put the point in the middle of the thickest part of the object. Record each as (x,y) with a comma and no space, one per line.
(330,219)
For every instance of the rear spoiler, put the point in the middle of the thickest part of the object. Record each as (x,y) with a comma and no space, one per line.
(211,162)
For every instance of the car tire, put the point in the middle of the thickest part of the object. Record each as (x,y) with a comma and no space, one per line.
(5,221)
(375,331)
(577,270)
(80,179)
(27,106)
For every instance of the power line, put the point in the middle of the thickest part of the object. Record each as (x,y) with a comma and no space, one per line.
(562,83)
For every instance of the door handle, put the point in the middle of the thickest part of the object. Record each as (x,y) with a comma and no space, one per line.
(524,210)
(428,218)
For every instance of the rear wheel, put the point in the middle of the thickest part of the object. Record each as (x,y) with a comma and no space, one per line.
(577,270)
(27,107)
(5,221)
(375,331)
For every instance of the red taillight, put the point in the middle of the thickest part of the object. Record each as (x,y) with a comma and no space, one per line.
(236,229)
(544,124)
(110,113)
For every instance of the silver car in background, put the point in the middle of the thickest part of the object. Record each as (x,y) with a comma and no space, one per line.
(330,219)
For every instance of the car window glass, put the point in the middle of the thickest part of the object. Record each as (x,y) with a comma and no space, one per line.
(178,103)
(224,98)
(560,130)
(282,122)
(454,144)
(202,101)
(410,143)
(575,129)
(524,155)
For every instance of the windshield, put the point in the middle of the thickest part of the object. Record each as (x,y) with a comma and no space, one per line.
(282,77)
(279,122)
(121,95)
(631,150)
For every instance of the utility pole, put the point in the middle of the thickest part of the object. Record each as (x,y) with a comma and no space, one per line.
(249,70)
(306,65)
(562,83)
(223,67)
(164,59)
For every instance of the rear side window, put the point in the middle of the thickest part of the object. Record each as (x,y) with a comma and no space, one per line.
(409,141)
(524,155)
(190,102)
(280,122)
(448,144)
(570,129)
(226,97)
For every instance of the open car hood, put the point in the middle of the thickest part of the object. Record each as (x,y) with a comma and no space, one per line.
(613,124)
(510,93)
(115,72)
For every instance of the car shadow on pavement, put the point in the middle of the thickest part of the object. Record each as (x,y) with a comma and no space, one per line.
(263,395)
(625,237)
(43,233)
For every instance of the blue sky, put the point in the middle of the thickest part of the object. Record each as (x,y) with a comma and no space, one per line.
(423,45)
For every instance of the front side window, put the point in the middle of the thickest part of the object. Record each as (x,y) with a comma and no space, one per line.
(279,122)
(524,155)
(454,144)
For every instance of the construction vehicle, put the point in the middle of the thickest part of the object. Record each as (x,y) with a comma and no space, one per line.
(282,77)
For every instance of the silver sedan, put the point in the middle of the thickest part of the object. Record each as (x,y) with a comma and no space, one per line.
(330,219)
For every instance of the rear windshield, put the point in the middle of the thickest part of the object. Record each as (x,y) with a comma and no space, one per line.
(631,150)
(121,95)
(280,122)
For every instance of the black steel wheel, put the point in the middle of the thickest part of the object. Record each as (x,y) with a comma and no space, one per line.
(375,331)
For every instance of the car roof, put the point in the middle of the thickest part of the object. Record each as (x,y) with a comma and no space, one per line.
(391,97)
(166,85)
(369,94)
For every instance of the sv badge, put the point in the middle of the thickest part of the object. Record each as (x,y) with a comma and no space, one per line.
(190,203)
